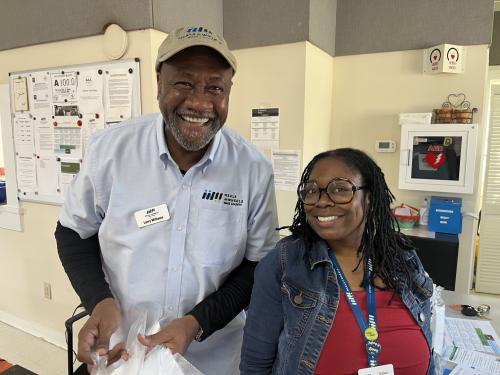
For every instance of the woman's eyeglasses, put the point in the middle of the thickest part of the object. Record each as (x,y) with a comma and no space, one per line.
(340,190)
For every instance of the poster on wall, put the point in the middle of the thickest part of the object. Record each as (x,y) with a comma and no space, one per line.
(54,113)
(286,166)
(265,128)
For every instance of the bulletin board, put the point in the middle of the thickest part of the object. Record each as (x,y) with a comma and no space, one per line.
(55,111)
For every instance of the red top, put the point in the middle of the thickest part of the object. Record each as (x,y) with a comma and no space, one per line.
(403,342)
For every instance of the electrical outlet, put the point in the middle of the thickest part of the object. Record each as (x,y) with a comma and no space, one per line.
(47,290)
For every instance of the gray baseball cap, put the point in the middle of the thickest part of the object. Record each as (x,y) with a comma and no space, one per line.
(190,36)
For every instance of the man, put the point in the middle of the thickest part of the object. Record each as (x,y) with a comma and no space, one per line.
(176,210)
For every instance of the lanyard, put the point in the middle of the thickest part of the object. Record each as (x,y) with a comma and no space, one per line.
(368,330)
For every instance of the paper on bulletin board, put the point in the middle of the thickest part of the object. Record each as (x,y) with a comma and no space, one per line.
(26,173)
(118,95)
(46,169)
(90,92)
(68,142)
(66,115)
(286,165)
(23,134)
(91,124)
(20,94)
(44,136)
(39,88)
(65,108)
(64,87)
(68,168)
(90,98)
(265,129)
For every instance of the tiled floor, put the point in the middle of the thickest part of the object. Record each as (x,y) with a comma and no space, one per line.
(31,352)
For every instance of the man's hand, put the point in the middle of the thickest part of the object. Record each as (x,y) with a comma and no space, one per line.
(95,333)
(176,335)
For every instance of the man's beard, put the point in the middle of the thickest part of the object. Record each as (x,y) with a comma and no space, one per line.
(192,144)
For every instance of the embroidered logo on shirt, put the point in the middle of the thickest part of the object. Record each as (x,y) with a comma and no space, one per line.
(222,198)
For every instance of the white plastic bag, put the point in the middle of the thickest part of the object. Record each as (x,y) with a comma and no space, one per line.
(438,327)
(161,361)
(135,349)
(143,319)
(437,319)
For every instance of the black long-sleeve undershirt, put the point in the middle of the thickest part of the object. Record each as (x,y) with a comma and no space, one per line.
(81,259)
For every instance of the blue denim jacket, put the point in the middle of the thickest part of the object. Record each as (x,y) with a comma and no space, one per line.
(285,334)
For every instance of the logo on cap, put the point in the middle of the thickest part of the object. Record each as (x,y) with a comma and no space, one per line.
(199,32)
(198,29)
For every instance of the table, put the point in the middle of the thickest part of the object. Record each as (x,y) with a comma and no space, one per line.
(474,299)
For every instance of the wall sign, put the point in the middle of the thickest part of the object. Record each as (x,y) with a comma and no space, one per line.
(444,58)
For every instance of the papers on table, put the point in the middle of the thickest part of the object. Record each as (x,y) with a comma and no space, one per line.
(465,370)
(472,335)
(472,346)
(488,364)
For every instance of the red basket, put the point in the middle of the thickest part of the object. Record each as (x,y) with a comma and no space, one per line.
(406,221)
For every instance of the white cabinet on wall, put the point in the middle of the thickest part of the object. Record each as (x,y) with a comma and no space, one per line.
(438,157)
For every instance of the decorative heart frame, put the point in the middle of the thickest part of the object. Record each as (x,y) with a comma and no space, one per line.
(456,101)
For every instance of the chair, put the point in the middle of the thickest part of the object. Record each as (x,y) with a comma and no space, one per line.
(69,335)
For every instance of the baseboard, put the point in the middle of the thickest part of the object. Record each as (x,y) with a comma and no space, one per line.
(54,337)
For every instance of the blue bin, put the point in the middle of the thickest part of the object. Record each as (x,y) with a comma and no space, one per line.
(3,194)
(445,215)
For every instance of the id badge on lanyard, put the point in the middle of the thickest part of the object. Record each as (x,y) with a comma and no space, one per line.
(378,370)
(368,330)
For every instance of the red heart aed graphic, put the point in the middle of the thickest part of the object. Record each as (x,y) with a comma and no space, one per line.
(452,57)
(434,57)
(435,160)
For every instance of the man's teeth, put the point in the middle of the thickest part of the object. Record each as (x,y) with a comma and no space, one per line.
(327,218)
(199,120)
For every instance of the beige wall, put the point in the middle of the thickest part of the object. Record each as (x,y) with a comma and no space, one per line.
(318,102)
(297,78)
(272,77)
(29,258)
(368,93)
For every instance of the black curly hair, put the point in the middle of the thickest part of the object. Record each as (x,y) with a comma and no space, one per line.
(381,240)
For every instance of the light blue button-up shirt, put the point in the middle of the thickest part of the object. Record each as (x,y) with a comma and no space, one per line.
(221,211)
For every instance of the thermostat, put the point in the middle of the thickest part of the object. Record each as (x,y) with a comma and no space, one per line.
(385,146)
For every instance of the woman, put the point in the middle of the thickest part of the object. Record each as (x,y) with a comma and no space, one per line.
(308,312)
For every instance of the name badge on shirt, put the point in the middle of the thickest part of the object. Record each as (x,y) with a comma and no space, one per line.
(378,370)
(152,215)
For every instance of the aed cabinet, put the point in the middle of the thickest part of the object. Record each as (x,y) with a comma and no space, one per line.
(438,157)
